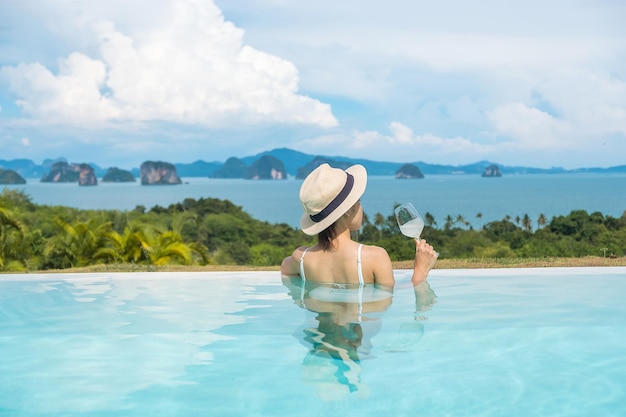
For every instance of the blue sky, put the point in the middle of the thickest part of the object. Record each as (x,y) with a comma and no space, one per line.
(537,83)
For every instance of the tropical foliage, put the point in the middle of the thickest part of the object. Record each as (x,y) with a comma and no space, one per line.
(575,235)
(212,231)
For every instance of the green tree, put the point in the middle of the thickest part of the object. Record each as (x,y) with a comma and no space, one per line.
(479,216)
(429,220)
(541,221)
(232,253)
(461,220)
(76,244)
(379,221)
(12,237)
(527,223)
(498,229)
(128,246)
(169,248)
(449,223)
(265,254)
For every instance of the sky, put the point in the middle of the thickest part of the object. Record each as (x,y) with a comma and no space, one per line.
(523,83)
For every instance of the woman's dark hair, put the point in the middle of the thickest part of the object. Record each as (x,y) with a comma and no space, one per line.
(326,237)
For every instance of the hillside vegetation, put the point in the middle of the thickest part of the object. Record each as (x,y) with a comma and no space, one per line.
(216,234)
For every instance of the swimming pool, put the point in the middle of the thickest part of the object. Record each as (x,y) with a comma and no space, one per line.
(518,342)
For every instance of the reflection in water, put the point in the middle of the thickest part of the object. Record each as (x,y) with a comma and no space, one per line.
(333,364)
(425,299)
(342,338)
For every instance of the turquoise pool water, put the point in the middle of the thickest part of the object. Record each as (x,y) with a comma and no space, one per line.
(522,342)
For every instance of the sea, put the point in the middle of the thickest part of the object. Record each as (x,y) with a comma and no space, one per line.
(475,199)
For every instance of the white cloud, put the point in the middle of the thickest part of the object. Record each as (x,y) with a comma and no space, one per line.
(529,126)
(446,36)
(593,101)
(401,144)
(493,80)
(191,68)
(362,140)
(73,94)
(25,142)
(400,134)
(403,136)
(469,52)
(583,107)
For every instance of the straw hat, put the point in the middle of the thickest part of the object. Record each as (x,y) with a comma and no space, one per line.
(327,193)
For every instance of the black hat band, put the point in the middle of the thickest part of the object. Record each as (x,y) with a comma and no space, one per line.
(340,198)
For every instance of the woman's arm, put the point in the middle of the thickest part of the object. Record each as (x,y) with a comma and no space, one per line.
(425,259)
(290,266)
(383,269)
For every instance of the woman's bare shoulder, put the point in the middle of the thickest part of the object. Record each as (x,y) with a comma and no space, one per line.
(375,251)
(376,255)
(297,252)
(376,260)
(290,265)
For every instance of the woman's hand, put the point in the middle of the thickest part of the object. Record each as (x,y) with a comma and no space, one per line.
(425,259)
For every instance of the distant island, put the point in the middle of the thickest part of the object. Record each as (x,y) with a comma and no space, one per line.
(232,168)
(284,162)
(409,172)
(492,171)
(267,167)
(159,173)
(8,176)
(115,174)
(61,172)
(317,161)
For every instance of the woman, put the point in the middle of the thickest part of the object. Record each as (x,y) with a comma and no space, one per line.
(330,198)
(330,279)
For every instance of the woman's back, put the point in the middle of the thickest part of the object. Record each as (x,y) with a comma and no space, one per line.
(350,263)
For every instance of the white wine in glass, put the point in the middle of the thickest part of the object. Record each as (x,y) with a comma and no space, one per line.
(410,222)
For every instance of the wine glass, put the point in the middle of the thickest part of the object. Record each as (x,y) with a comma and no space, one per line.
(410,222)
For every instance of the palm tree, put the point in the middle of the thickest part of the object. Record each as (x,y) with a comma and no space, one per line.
(126,247)
(169,248)
(77,244)
(479,216)
(147,244)
(461,220)
(527,223)
(429,220)
(449,222)
(541,221)
(12,232)
(507,220)
(379,221)
(179,219)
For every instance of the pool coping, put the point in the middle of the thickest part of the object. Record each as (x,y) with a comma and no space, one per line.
(474,272)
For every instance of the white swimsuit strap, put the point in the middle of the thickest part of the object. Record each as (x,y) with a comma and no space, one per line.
(303,288)
(360,265)
(302,265)
(361,281)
